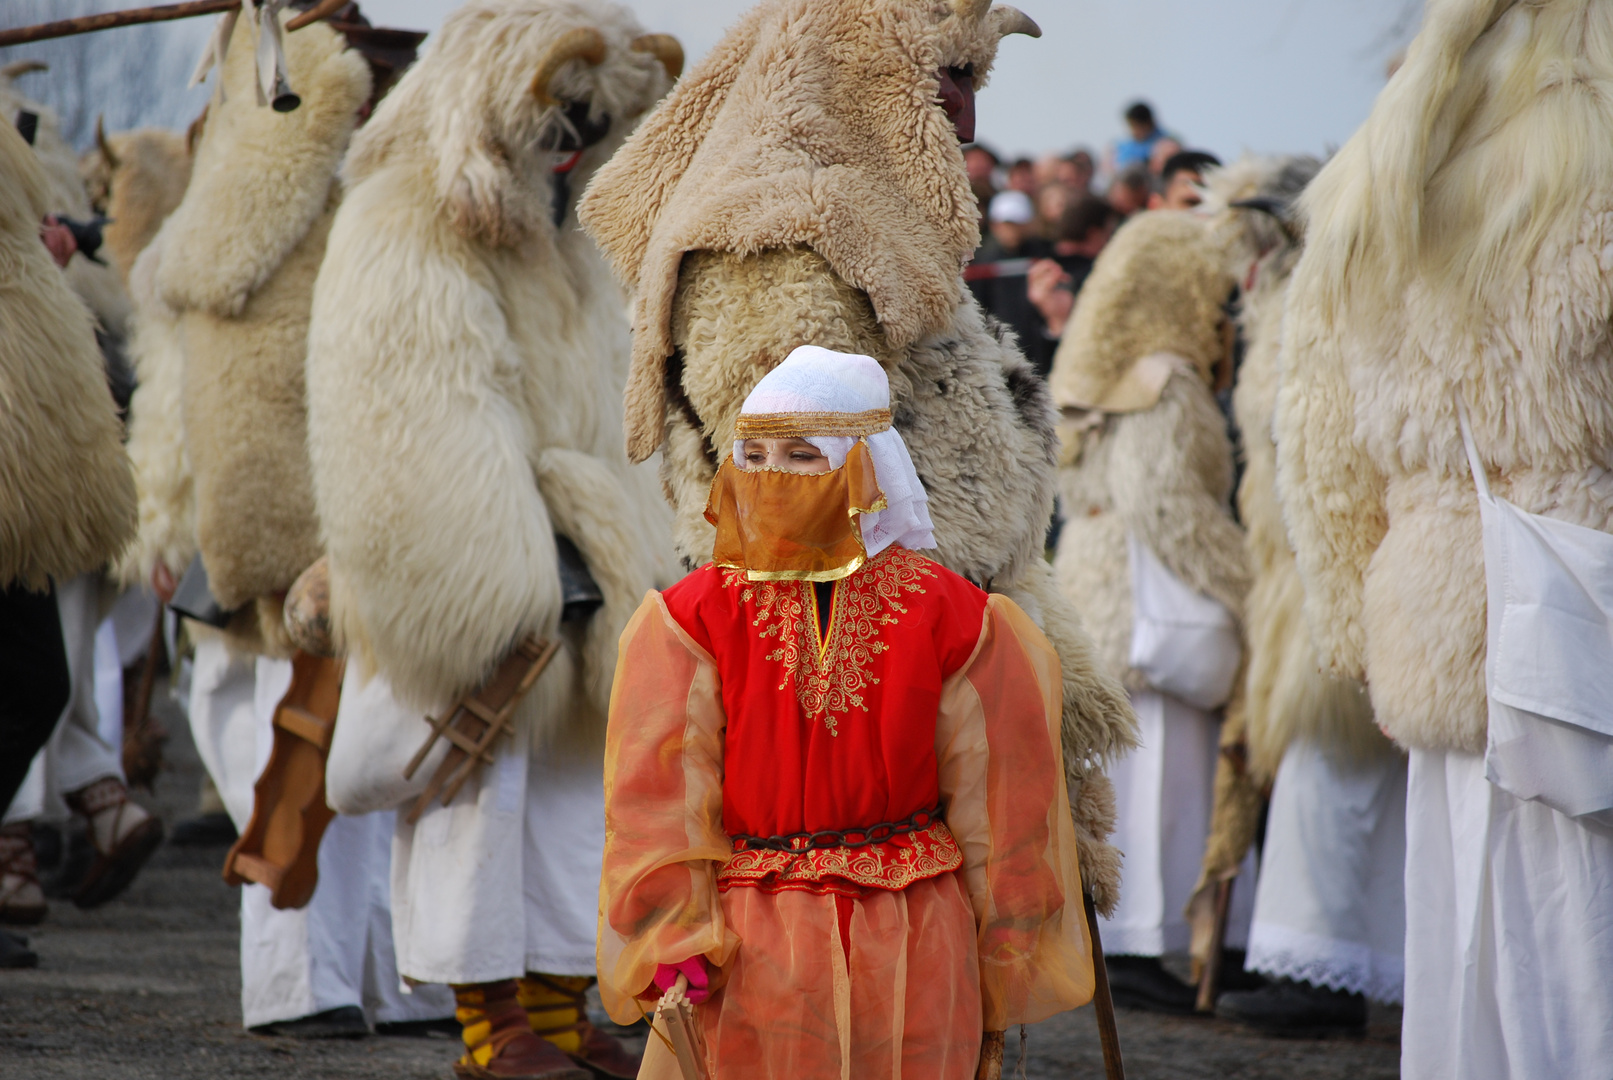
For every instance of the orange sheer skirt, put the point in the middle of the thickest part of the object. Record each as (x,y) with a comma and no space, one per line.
(900,999)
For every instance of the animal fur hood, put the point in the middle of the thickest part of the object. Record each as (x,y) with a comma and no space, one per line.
(466,361)
(136,178)
(1425,277)
(66,492)
(1286,694)
(237,261)
(1158,287)
(1163,472)
(813,124)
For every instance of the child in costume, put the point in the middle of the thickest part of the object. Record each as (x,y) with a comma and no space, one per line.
(834,796)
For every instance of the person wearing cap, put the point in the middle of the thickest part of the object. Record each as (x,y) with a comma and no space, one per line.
(1010,222)
(833,796)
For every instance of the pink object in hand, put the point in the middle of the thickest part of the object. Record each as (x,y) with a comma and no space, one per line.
(693,969)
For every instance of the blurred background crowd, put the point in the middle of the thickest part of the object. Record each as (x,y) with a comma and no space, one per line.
(1043,221)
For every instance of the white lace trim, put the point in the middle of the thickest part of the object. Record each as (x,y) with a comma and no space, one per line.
(1284,952)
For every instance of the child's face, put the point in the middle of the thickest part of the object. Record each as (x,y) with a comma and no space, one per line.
(791,455)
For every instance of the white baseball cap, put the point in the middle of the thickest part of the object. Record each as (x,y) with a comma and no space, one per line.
(1013,207)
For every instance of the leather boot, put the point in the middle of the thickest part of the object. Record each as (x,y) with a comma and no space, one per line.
(499,1044)
(1141,982)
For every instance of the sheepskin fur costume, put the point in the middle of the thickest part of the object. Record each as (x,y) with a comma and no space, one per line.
(66,492)
(237,261)
(136,178)
(803,186)
(1163,474)
(466,363)
(97,285)
(1458,243)
(1286,693)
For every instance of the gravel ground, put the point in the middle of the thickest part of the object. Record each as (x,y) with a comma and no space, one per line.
(149,987)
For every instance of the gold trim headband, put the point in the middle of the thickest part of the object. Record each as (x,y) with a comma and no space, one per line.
(801,425)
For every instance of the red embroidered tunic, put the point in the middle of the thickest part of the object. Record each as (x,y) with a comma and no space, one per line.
(730,717)
(833,731)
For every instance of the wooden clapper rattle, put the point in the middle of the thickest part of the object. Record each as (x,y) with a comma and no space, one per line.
(675,1032)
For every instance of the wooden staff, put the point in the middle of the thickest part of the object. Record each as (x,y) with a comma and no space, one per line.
(1109,1035)
(1210,977)
(141,769)
(85,24)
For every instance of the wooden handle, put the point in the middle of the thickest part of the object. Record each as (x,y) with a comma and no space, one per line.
(84,24)
(1114,1067)
(1210,978)
(991,1056)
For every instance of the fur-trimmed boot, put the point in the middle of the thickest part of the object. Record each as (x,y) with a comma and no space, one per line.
(499,1043)
(557,1009)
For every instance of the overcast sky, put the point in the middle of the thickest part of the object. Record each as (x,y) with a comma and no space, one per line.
(1272,76)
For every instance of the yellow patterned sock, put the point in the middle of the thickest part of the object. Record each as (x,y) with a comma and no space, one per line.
(556,1007)
(474,1006)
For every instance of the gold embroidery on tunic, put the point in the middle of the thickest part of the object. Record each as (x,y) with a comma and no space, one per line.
(894,864)
(831,677)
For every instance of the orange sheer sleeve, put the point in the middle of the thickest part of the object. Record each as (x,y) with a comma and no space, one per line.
(1002,781)
(658,901)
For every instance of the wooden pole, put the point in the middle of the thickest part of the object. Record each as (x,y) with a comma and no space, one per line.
(1210,977)
(85,24)
(1114,1068)
(143,774)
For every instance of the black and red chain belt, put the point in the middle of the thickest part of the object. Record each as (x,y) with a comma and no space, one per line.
(833,838)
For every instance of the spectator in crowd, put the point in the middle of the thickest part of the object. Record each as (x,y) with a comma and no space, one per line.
(1145,132)
(1076,171)
(1022,176)
(1051,284)
(1011,221)
(1181,180)
(1131,191)
(981,164)
(1052,200)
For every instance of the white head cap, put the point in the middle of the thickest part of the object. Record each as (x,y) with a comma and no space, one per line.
(1013,207)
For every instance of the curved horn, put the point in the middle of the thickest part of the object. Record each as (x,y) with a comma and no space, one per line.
(322,10)
(583,43)
(23,67)
(1011,20)
(104,146)
(665,48)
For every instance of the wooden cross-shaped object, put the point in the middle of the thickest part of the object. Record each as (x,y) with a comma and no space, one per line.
(476,721)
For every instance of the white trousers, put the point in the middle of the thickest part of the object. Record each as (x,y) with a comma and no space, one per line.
(1164,792)
(77,754)
(505,879)
(1509,932)
(1330,909)
(337,950)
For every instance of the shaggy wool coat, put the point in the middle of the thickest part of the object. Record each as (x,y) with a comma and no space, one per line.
(137,187)
(1162,474)
(66,492)
(466,365)
(1424,278)
(1286,693)
(237,262)
(801,186)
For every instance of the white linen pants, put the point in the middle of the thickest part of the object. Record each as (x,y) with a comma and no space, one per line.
(337,950)
(505,879)
(1509,932)
(77,754)
(1164,792)
(1330,909)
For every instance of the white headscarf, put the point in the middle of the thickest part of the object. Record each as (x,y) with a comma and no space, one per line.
(816,380)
